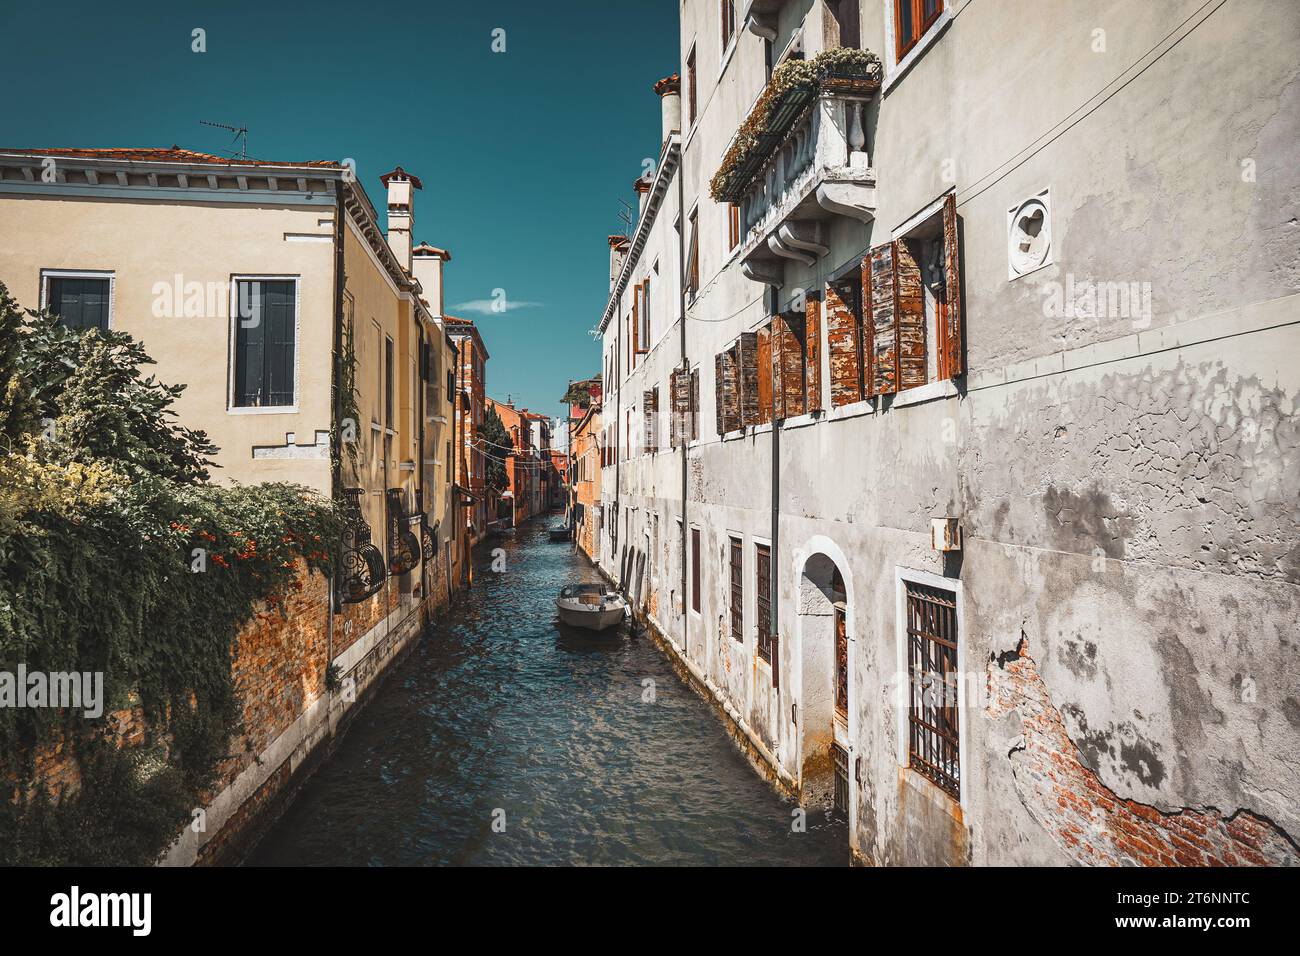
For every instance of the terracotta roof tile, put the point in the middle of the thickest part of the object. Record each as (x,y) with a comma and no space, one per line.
(156,154)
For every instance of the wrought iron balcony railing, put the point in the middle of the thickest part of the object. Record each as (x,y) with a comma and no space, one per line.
(362,565)
(800,159)
(403,546)
(428,536)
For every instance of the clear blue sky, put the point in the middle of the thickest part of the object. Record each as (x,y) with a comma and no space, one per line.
(523,154)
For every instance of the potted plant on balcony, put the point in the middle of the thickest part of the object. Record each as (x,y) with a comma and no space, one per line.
(793,85)
(844,70)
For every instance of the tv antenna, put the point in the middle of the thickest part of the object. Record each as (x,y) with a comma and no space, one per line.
(241,135)
(625,215)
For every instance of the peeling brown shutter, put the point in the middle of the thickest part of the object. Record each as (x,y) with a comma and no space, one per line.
(842,341)
(681,390)
(763,358)
(636,325)
(695,404)
(787,369)
(774,348)
(884,321)
(950,357)
(868,329)
(648,420)
(812,337)
(910,305)
(727,392)
(747,362)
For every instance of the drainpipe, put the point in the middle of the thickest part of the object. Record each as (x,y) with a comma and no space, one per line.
(681,284)
(421,388)
(618,423)
(336,381)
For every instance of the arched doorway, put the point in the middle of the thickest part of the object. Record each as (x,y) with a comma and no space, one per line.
(824,622)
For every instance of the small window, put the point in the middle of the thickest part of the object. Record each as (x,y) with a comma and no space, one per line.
(728,9)
(388,382)
(933,748)
(690,88)
(763,604)
(695,570)
(912,19)
(733,226)
(265,327)
(643,330)
(848,23)
(81,300)
(451,386)
(737,590)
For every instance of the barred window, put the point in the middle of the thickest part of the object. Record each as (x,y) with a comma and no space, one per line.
(737,590)
(932,678)
(763,606)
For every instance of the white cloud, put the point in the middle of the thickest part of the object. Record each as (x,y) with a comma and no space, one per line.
(493,306)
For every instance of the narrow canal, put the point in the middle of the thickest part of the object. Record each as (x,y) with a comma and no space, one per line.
(499,714)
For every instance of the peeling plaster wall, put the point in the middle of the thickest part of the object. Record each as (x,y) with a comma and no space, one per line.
(1128,485)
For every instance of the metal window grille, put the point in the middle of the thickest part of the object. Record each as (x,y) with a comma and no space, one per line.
(737,591)
(763,607)
(841,662)
(932,677)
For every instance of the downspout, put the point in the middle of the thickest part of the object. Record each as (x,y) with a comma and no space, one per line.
(336,377)
(455,442)
(618,426)
(421,389)
(681,284)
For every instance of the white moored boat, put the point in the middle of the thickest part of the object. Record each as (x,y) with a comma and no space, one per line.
(592,606)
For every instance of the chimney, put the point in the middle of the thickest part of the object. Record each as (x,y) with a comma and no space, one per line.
(401,216)
(642,187)
(617,253)
(670,98)
(426,265)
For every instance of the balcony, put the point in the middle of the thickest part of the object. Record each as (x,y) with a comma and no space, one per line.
(800,160)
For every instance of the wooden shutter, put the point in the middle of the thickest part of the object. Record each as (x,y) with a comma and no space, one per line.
(910,309)
(774,349)
(812,338)
(884,321)
(844,344)
(950,355)
(681,404)
(719,416)
(787,369)
(648,420)
(727,398)
(636,325)
(763,359)
(695,404)
(747,370)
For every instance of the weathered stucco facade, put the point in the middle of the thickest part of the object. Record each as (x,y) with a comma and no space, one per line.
(1118,444)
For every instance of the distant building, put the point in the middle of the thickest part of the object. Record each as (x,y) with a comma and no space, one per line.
(471,382)
(587,453)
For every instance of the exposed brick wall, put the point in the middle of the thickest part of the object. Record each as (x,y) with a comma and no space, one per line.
(1089,821)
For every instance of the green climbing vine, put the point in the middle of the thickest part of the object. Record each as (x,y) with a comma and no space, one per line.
(119,556)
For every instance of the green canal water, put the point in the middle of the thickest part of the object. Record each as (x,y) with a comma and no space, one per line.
(505,739)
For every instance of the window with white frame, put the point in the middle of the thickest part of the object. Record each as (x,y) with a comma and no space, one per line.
(929,660)
(81,299)
(265,319)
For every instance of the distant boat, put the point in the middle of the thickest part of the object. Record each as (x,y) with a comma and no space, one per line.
(558,532)
(591,606)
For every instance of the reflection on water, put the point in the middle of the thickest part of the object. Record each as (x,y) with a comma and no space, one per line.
(502,711)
